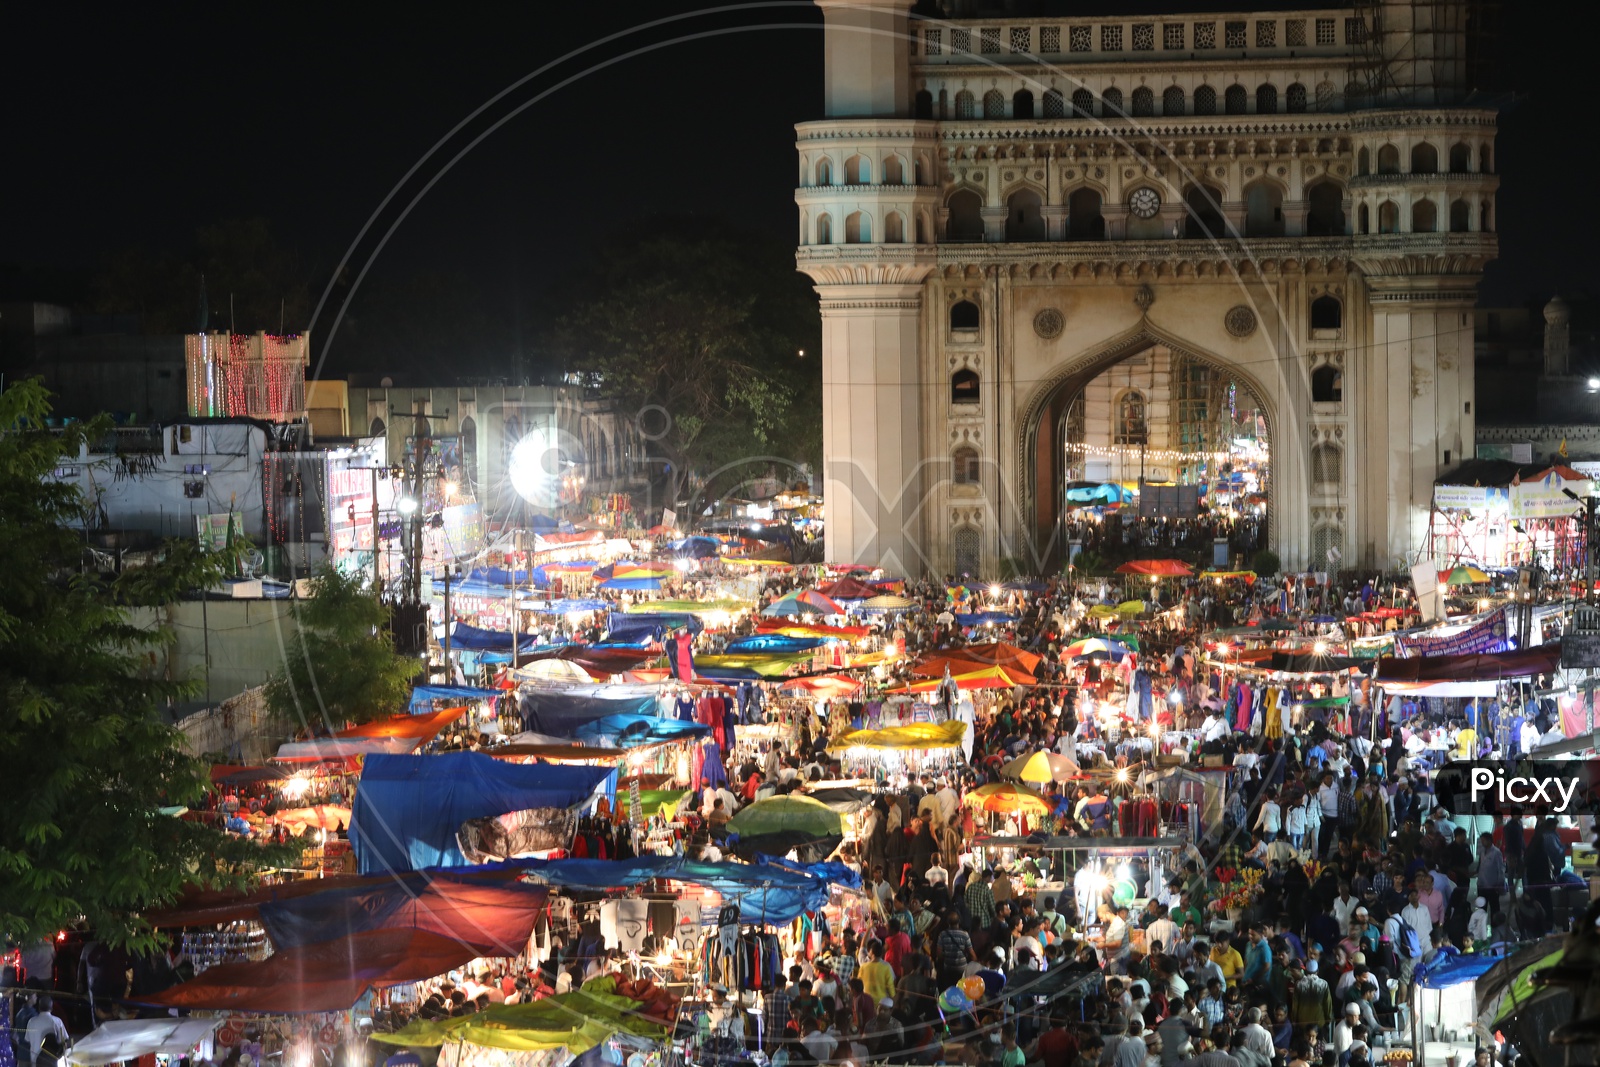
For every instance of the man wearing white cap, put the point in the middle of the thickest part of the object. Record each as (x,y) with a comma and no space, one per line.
(1478,925)
(1344,1029)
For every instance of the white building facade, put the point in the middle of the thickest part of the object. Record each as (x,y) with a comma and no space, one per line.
(996,212)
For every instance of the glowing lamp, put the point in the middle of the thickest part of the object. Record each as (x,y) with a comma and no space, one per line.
(407,506)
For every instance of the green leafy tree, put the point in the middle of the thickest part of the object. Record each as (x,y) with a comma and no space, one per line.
(89,760)
(341,666)
(697,330)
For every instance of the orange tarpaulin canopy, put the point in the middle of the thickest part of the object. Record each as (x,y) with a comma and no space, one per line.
(1157,568)
(824,684)
(987,678)
(409,726)
(976,657)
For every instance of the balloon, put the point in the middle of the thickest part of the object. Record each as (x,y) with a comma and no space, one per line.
(972,986)
(953,999)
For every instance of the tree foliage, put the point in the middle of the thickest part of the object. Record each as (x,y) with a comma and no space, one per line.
(341,665)
(88,758)
(696,330)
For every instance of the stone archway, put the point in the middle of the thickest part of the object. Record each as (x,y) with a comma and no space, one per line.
(1038,459)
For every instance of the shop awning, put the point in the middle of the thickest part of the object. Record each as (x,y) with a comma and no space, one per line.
(423,695)
(333,748)
(755,644)
(408,809)
(116,1040)
(631,730)
(921,735)
(600,661)
(475,638)
(764,893)
(1472,667)
(560,712)
(576,1021)
(983,678)
(419,726)
(327,976)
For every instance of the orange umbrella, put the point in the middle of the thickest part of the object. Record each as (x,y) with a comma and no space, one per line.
(984,678)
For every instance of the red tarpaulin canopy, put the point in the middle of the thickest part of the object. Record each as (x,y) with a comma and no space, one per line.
(412,726)
(981,678)
(328,976)
(1157,568)
(848,588)
(1473,667)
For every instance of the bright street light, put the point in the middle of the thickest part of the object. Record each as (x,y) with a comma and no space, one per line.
(407,506)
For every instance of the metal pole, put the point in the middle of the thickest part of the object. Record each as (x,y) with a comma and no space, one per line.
(516,615)
(1588,551)
(373,472)
(449,673)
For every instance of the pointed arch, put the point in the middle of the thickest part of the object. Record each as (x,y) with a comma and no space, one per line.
(1172,100)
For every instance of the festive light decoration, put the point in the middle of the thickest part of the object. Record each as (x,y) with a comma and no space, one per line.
(261,375)
(1164,454)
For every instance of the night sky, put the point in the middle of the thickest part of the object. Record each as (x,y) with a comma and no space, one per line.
(136,126)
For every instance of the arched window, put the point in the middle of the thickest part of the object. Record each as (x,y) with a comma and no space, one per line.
(824,229)
(994,104)
(1131,427)
(1025,216)
(1388,160)
(857,171)
(964,105)
(1327,385)
(1326,313)
(1266,99)
(1294,99)
(1111,103)
(1327,462)
(922,228)
(1327,546)
(1325,96)
(894,229)
(1355,94)
(1204,217)
(1485,160)
(1363,220)
(1172,101)
(1084,219)
(376,429)
(966,216)
(1022,104)
(944,103)
(858,228)
(1082,103)
(1460,216)
(967,466)
(1055,105)
(1263,210)
(924,104)
(1388,217)
(1324,210)
(966,549)
(1235,101)
(1144,102)
(964,387)
(824,171)
(1460,158)
(963,315)
(1424,217)
(1424,159)
(1363,161)
(894,171)
(1484,222)
(1205,100)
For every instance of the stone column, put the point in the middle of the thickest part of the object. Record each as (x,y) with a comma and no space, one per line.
(872,440)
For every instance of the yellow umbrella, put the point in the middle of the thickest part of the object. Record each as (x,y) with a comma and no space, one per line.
(1008,798)
(1041,766)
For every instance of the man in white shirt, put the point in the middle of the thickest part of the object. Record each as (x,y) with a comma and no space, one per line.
(1416,914)
(42,1025)
(1344,906)
(819,1042)
(1161,929)
(1256,1036)
(1344,1031)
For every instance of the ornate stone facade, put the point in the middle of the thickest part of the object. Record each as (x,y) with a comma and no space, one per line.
(1299,199)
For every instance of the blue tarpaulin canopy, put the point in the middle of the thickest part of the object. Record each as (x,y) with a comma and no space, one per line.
(628,730)
(480,588)
(629,627)
(497,576)
(632,585)
(559,713)
(424,695)
(764,893)
(1445,974)
(695,547)
(983,617)
(773,643)
(408,808)
(480,640)
(562,607)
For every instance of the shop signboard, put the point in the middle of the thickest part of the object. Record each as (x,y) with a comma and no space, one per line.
(1466,497)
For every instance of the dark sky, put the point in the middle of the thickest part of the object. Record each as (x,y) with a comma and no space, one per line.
(137,126)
